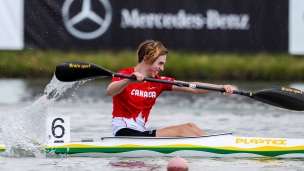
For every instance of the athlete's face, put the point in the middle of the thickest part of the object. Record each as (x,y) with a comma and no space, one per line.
(157,66)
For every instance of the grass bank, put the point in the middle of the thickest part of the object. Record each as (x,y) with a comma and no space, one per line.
(181,65)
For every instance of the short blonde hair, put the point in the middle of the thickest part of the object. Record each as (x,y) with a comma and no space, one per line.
(152,50)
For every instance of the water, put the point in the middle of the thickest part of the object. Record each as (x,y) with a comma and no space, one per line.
(22,103)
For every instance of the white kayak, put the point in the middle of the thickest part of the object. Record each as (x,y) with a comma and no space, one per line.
(218,145)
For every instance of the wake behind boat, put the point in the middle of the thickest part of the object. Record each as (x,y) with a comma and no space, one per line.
(219,145)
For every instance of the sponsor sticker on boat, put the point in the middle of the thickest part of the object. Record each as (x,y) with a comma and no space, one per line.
(262,141)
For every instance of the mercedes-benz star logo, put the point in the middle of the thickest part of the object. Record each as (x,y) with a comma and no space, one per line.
(86,13)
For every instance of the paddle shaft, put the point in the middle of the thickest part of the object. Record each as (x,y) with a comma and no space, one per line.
(284,97)
(182,84)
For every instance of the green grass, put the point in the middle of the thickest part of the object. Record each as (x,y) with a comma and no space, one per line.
(181,65)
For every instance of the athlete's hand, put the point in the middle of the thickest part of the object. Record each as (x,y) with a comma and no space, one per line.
(228,89)
(139,77)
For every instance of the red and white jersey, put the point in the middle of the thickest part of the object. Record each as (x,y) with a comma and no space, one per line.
(136,101)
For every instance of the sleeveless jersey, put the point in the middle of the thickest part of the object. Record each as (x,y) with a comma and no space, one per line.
(135,101)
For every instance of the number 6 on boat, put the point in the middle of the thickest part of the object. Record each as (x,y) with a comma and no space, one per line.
(58,129)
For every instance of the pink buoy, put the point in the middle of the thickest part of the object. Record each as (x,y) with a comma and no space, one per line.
(177,164)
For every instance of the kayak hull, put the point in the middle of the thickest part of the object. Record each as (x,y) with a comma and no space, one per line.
(219,145)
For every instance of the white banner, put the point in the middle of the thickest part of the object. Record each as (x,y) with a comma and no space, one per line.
(296,27)
(11,24)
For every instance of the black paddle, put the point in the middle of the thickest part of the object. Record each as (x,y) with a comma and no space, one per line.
(284,97)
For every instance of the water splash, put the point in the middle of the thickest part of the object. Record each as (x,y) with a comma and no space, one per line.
(24,132)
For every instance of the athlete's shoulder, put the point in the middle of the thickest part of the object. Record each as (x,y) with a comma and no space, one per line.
(126,71)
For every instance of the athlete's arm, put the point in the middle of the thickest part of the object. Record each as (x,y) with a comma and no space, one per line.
(228,88)
(118,86)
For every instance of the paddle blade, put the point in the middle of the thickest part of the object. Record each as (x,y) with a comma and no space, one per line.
(75,71)
(284,97)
